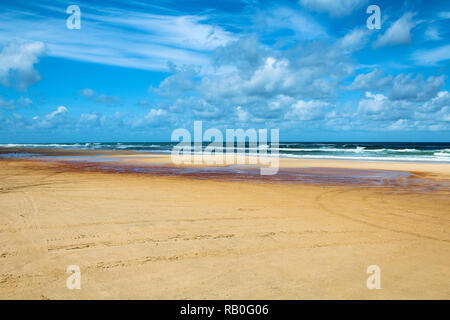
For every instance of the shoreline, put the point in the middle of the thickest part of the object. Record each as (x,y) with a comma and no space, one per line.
(81,150)
(430,170)
(150,236)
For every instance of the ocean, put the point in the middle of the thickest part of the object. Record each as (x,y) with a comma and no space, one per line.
(374,151)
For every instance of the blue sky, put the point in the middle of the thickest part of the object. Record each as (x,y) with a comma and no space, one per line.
(137,70)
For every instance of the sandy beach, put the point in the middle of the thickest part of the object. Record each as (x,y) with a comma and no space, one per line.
(150,235)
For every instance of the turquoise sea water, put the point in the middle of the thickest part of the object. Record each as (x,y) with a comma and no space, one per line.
(389,151)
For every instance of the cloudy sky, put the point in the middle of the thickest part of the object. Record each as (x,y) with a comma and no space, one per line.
(137,71)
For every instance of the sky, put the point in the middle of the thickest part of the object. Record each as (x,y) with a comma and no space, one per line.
(137,70)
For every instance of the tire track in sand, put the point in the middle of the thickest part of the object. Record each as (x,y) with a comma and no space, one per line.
(332,197)
(25,221)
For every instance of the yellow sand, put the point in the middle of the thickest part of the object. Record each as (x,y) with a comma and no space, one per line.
(148,237)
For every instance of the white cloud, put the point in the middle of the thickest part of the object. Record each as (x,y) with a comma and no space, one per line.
(402,87)
(444,15)
(308,74)
(378,111)
(354,40)
(302,26)
(180,82)
(242,114)
(400,124)
(432,57)
(432,34)
(205,110)
(183,31)
(102,98)
(441,101)
(335,8)
(153,117)
(398,33)
(17,62)
(373,104)
(308,110)
(245,55)
(263,82)
(88,93)
(9,105)
(376,107)
(24,101)
(274,76)
(61,111)
(156,113)
(90,120)
(407,87)
(373,80)
(55,119)
(89,117)
(128,37)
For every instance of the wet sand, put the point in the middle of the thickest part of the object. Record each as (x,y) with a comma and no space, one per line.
(214,233)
